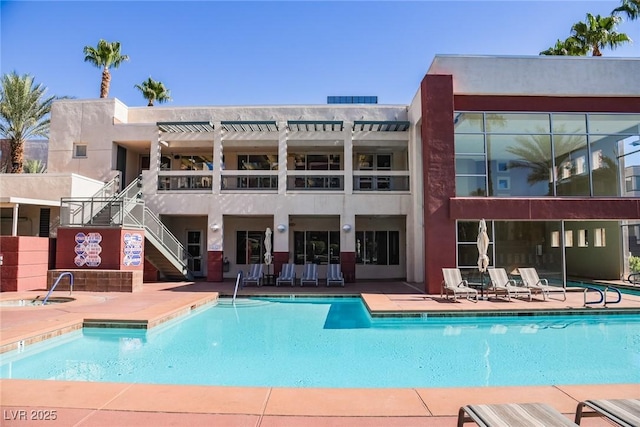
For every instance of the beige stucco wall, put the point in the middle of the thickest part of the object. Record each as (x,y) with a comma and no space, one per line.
(540,75)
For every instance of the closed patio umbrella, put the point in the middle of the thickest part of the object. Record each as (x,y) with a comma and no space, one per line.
(267,248)
(483,247)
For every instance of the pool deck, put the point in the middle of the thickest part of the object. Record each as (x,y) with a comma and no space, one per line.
(123,404)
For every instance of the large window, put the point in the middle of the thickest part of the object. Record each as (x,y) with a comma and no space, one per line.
(317,247)
(378,247)
(373,162)
(250,247)
(544,154)
(257,162)
(317,162)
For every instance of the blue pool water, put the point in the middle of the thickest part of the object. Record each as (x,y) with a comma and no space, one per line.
(334,343)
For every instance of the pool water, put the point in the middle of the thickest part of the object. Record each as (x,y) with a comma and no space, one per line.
(333,342)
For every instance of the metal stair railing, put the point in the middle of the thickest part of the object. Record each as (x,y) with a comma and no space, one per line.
(108,190)
(156,231)
(128,209)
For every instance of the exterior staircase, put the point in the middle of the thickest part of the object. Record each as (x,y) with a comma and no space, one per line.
(126,208)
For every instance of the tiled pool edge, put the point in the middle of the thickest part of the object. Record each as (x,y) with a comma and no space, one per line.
(142,323)
(29,339)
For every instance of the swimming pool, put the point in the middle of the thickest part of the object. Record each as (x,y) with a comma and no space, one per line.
(332,342)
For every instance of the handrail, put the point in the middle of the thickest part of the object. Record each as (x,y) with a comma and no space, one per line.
(606,290)
(235,292)
(64,273)
(589,288)
(109,189)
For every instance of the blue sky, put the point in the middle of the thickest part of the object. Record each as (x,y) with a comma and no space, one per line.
(275,53)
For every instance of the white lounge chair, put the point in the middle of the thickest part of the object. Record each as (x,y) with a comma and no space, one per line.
(254,275)
(453,284)
(623,412)
(287,275)
(500,282)
(530,279)
(334,275)
(513,414)
(309,274)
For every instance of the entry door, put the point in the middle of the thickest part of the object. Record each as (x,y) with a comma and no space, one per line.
(121,165)
(194,248)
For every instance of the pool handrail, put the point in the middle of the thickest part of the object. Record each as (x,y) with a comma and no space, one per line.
(64,273)
(616,290)
(235,291)
(590,288)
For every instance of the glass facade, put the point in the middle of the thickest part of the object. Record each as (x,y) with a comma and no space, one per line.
(545,154)
(316,247)
(378,247)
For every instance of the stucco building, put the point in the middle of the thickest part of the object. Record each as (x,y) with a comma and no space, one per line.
(545,149)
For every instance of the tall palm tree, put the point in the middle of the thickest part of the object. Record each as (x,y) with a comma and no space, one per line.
(568,47)
(153,91)
(105,55)
(24,113)
(598,33)
(630,7)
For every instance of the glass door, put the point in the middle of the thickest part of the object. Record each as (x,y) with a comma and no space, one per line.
(194,249)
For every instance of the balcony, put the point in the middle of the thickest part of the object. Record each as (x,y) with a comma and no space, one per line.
(366,181)
(185,181)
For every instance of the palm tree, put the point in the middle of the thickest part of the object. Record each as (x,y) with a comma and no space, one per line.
(24,113)
(105,55)
(569,47)
(597,33)
(153,91)
(630,7)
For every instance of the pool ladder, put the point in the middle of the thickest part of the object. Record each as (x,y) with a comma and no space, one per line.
(65,273)
(602,295)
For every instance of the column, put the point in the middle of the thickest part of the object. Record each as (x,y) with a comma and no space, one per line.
(218,165)
(282,158)
(215,243)
(348,158)
(14,220)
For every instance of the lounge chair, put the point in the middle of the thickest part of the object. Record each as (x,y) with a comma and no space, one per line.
(334,275)
(454,284)
(254,275)
(513,414)
(309,274)
(287,275)
(500,282)
(624,412)
(531,280)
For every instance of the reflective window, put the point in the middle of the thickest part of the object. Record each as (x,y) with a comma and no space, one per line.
(524,158)
(571,173)
(250,247)
(523,123)
(519,165)
(378,247)
(469,143)
(605,172)
(317,247)
(468,122)
(569,123)
(614,123)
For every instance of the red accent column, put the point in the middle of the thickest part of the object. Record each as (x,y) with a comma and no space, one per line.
(279,258)
(348,266)
(214,266)
(438,158)
(150,273)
